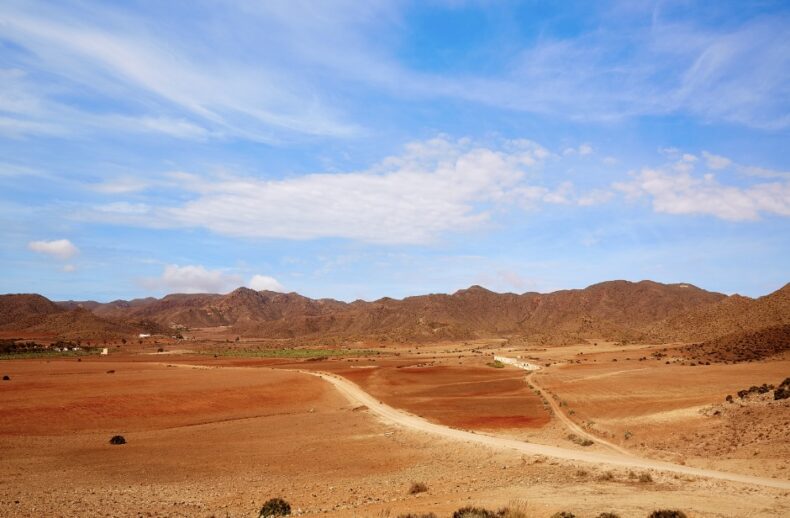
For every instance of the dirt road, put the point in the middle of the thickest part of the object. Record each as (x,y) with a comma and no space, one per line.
(572,426)
(359,397)
(566,420)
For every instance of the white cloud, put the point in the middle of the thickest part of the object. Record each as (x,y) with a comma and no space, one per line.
(560,195)
(312,61)
(264,282)
(595,197)
(434,187)
(215,88)
(68,268)
(178,128)
(19,128)
(123,208)
(59,248)
(763,172)
(688,157)
(583,149)
(122,185)
(716,162)
(193,279)
(683,193)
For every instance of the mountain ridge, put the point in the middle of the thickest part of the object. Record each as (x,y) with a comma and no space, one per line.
(617,310)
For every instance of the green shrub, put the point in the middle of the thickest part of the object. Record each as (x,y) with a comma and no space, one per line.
(275,507)
(667,513)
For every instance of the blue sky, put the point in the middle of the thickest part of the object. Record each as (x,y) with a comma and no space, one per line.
(364,149)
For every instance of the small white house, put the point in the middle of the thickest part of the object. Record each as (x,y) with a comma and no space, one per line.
(144,335)
(105,351)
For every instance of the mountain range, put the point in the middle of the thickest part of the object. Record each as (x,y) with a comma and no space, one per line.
(619,310)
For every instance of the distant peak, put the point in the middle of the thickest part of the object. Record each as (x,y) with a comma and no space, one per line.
(242,290)
(475,288)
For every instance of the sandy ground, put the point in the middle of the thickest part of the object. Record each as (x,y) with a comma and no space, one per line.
(670,411)
(219,442)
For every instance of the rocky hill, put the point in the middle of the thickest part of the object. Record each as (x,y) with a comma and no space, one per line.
(35,315)
(619,310)
(731,315)
(742,346)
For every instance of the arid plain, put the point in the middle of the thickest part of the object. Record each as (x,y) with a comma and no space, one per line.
(218,420)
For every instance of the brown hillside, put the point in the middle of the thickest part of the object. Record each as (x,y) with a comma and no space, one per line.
(735,314)
(31,314)
(81,323)
(22,310)
(616,309)
(742,346)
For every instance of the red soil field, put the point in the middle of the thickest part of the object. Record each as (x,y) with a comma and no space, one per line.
(458,396)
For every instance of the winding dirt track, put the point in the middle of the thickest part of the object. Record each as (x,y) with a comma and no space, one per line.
(398,417)
(568,422)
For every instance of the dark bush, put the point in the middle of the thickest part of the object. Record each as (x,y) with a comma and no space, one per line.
(605,476)
(117,439)
(563,514)
(581,441)
(645,478)
(418,487)
(414,515)
(6,378)
(781,393)
(667,513)
(111,371)
(275,507)
(608,515)
(728,399)
(474,512)
(160,350)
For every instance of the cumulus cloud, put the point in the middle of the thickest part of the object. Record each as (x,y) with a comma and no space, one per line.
(682,192)
(716,161)
(434,187)
(60,248)
(264,282)
(193,279)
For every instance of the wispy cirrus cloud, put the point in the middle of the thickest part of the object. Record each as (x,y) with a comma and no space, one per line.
(113,54)
(315,66)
